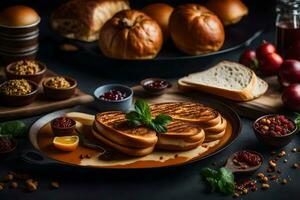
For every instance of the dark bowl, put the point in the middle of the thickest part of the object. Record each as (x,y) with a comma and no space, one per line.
(32,77)
(19,31)
(274,141)
(7,57)
(155,91)
(22,100)
(19,45)
(60,93)
(60,131)
(117,105)
(8,152)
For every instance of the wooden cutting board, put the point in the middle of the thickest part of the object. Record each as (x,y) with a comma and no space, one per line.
(43,105)
(270,102)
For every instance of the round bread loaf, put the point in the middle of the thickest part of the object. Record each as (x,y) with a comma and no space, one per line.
(18,16)
(196,30)
(161,13)
(131,34)
(229,11)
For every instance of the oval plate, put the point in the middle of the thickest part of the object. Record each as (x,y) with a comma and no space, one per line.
(36,156)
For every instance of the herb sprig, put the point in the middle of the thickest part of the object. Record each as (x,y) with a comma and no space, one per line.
(142,116)
(297,120)
(220,180)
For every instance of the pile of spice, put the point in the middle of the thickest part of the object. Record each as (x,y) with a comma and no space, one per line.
(26,67)
(16,87)
(275,125)
(58,82)
(15,180)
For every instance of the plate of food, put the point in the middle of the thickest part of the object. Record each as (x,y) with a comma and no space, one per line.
(149,136)
(133,38)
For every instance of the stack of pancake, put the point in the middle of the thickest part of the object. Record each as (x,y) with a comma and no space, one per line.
(192,124)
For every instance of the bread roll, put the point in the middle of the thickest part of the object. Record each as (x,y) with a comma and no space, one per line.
(19,16)
(83,19)
(229,11)
(196,30)
(131,34)
(161,13)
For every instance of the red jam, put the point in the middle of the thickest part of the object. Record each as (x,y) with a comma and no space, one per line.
(113,95)
(63,122)
(276,125)
(157,84)
(248,158)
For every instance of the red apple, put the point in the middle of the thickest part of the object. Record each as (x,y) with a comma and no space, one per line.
(270,64)
(248,58)
(289,72)
(264,49)
(291,97)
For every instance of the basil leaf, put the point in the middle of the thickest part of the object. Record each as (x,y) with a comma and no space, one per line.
(12,128)
(143,109)
(162,119)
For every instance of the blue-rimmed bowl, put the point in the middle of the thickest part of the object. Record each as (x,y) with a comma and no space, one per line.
(115,105)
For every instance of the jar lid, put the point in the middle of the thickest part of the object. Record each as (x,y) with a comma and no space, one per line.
(19,16)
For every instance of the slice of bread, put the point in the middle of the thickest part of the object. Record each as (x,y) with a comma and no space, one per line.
(227,79)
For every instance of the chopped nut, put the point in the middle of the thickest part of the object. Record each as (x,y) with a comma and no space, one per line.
(265,179)
(260,175)
(54,185)
(8,177)
(272,163)
(13,185)
(284,181)
(281,154)
(31,185)
(295,166)
(265,186)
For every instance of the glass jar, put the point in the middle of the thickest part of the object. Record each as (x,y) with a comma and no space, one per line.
(287,25)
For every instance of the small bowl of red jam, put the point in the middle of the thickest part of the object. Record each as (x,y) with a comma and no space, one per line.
(155,86)
(113,97)
(275,130)
(63,126)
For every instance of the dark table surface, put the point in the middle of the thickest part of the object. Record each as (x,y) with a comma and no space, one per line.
(172,183)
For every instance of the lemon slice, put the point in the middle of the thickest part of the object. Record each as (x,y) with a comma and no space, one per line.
(66,143)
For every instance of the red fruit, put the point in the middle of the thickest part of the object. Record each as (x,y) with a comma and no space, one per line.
(291,97)
(264,49)
(289,72)
(270,64)
(248,58)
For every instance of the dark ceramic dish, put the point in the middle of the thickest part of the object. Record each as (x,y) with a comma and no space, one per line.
(117,105)
(274,141)
(19,45)
(63,131)
(21,100)
(33,77)
(8,152)
(60,93)
(20,31)
(152,90)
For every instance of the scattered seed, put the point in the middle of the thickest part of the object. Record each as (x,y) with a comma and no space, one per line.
(272,164)
(8,177)
(281,154)
(265,186)
(285,160)
(260,175)
(31,185)
(294,150)
(54,185)
(265,179)
(284,181)
(295,166)
(13,185)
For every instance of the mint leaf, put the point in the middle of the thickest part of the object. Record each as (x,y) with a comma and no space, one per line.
(221,180)
(162,119)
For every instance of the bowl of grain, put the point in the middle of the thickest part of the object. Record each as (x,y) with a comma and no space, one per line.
(59,87)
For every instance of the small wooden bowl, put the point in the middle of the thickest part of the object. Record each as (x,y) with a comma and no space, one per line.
(33,77)
(61,131)
(60,93)
(154,91)
(271,141)
(21,100)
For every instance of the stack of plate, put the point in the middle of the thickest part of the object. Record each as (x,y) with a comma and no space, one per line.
(19,33)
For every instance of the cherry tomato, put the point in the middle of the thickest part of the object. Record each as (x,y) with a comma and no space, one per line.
(270,64)
(264,49)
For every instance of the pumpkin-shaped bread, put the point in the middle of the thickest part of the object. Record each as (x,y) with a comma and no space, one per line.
(130,34)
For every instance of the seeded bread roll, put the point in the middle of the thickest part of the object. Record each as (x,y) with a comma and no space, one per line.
(83,19)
